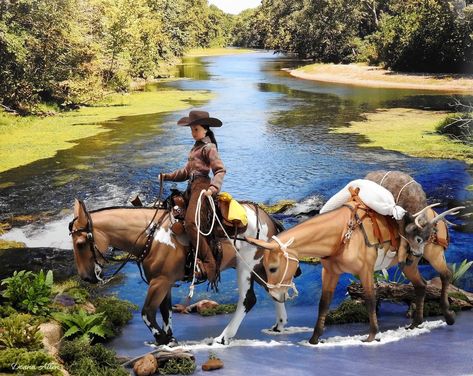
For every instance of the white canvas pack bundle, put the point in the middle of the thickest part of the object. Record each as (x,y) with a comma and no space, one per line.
(372,194)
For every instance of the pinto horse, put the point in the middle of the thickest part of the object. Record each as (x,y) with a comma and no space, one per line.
(342,247)
(124,228)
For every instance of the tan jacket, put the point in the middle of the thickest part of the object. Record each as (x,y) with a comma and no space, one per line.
(203,157)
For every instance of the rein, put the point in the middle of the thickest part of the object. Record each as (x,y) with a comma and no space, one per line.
(237,252)
(89,228)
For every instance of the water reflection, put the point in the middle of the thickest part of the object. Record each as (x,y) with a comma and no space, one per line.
(275,141)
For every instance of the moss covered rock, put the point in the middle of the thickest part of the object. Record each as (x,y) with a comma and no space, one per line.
(350,311)
(218,310)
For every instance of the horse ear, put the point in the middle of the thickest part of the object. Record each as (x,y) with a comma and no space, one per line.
(79,211)
(76,208)
(261,243)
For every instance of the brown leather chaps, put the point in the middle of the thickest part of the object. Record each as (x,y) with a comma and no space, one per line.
(205,253)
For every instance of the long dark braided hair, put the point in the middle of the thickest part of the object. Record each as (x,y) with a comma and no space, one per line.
(211,135)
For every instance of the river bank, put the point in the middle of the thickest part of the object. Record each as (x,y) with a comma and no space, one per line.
(409,131)
(27,139)
(369,76)
(24,140)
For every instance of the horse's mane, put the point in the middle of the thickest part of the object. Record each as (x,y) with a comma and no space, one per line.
(123,207)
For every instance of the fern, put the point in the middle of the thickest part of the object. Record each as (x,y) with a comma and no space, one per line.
(29,292)
(82,324)
(459,272)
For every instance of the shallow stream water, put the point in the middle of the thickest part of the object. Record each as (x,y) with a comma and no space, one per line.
(276,145)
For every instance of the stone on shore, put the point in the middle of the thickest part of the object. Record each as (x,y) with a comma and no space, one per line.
(146,366)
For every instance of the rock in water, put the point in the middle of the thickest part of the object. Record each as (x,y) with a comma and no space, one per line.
(146,366)
(212,364)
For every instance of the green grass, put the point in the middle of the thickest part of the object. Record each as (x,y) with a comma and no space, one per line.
(196,52)
(412,132)
(24,140)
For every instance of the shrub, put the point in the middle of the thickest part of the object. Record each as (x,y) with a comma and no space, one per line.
(175,366)
(458,126)
(82,324)
(349,311)
(29,292)
(118,312)
(34,362)
(18,332)
(7,310)
(83,359)
(220,309)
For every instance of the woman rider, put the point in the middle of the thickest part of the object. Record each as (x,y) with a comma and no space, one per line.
(203,157)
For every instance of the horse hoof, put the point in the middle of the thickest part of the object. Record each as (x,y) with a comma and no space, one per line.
(173,342)
(276,329)
(314,341)
(450,318)
(413,325)
(220,341)
(369,339)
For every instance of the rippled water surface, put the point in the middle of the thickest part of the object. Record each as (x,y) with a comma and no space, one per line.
(275,143)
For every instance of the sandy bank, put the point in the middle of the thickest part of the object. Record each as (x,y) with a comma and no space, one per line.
(367,76)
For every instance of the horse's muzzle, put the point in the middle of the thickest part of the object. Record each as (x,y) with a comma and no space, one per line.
(279,296)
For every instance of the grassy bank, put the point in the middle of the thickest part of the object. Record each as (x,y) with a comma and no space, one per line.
(196,52)
(368,76)
(412,132)
(26,139)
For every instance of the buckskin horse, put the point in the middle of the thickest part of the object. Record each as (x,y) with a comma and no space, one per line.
(123,228)
(339,239)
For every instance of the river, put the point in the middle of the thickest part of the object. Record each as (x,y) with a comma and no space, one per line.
(275,143)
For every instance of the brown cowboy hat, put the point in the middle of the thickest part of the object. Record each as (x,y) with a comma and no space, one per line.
(201,118)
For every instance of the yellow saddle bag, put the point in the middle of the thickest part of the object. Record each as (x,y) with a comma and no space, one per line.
(236,212)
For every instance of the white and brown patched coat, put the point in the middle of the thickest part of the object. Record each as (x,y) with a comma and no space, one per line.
(203,157)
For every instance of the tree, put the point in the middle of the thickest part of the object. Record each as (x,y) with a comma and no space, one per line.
(425,35)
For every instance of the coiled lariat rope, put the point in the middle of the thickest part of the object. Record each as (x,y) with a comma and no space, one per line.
(215,218)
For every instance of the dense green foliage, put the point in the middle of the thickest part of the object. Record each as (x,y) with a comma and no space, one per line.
(29,292)
(19,331)
(177,366)
(81,324)
(458,126)
(28,363)
(408,35)
(70,52)
(219,310)
(117,312)
(425,35)
(349,311)
(83,359)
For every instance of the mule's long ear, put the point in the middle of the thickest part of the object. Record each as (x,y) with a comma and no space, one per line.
(262,244)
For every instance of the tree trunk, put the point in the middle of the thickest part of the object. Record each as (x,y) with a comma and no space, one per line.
(401,293)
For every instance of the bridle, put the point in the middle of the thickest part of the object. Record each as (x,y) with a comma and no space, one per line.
(89,230)
(288,257)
